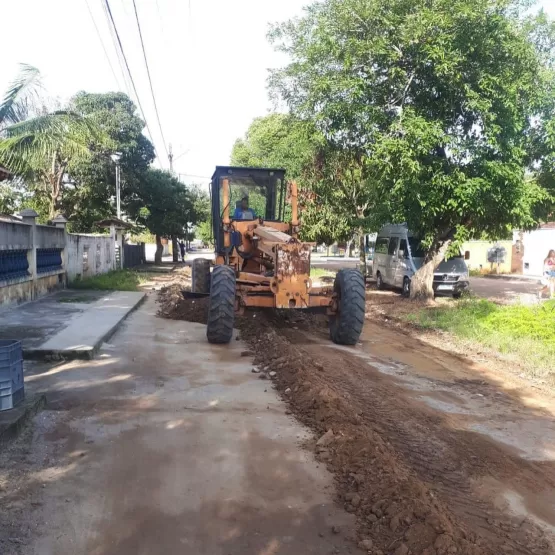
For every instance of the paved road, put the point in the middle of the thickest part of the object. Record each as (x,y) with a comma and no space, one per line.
(165,444)
(501,288)
(482,287)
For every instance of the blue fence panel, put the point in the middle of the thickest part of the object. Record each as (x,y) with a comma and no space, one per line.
(49,260)
(13,264)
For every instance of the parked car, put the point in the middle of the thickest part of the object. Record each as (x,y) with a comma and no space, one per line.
(397,256)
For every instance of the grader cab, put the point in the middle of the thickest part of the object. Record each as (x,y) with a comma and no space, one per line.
(260,262)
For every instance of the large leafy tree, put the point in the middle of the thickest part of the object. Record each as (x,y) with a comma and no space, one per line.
(282,141)
(88,196)
(437,100)
(37,145)
(162,204)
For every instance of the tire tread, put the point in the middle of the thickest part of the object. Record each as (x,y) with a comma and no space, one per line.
(346,326)
(200,282)
(221,312)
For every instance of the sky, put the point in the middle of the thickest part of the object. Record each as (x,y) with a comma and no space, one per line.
(208,61)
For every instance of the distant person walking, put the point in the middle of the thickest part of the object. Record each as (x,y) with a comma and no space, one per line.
(548,278)
(182,249)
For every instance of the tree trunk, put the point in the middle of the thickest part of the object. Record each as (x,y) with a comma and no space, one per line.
(55,179)
(348,248)
(159,250)
(421,284)
(175,249)
(362,252)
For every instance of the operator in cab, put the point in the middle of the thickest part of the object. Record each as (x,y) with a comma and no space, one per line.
(243,212)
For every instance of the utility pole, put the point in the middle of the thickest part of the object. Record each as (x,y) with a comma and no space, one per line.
(170,158)
(116,158)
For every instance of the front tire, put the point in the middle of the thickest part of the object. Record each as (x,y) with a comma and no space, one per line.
(221,312)
(201,276)
(346,325)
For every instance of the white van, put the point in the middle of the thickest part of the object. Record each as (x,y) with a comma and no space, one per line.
(397,256)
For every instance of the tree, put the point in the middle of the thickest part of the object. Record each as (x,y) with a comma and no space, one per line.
(204,232)
(437,100)
(200,216)
(281,141)
(162,204)
(89,196)
(342,190)
(37,146)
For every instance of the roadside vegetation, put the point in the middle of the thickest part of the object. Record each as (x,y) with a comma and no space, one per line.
(321,272)
(526,333)
(118,280)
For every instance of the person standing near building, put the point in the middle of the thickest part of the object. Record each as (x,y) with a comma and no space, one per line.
(548,278)
(182,249)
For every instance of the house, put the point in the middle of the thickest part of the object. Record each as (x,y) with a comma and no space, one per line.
(489,256)
(530,249)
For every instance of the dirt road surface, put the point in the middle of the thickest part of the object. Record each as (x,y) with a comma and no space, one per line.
(168,445)
(165,445)
(445,456)
(433,453)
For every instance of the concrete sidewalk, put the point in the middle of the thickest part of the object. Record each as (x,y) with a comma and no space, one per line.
(68,324)
(165,444)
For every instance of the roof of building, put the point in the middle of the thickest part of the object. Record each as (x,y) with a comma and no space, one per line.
(117,222)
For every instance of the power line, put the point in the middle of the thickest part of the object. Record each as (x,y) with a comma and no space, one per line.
(150,79)
(118,53)
(103,45)
(107,2)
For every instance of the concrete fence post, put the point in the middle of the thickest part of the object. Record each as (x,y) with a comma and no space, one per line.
(113,237)
(29,216)
(61,223)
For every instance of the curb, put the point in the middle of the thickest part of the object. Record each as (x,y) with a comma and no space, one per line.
(49,355)
(20,416)
(532,280)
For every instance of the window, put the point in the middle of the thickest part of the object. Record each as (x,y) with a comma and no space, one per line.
(403,252)
(381,245)
(393,242)
(416,249)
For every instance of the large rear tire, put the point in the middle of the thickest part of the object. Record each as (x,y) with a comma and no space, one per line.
(221,312)
(201,276)
(346,325)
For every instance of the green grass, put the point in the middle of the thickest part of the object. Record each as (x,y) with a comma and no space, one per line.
(320,272)
(525,332)
(118,280)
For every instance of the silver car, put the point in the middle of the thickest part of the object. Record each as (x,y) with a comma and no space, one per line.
(397,256)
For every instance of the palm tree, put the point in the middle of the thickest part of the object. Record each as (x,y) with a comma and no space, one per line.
(38,148)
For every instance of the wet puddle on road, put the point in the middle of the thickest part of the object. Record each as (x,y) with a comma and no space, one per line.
(474,405)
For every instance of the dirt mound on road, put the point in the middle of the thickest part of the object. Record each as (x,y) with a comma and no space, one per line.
(405,475)
(175,307)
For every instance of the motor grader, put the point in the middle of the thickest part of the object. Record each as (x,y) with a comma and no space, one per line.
(261,263)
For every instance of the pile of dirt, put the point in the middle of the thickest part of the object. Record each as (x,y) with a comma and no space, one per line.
(395,512)
(401,471)
(175,307)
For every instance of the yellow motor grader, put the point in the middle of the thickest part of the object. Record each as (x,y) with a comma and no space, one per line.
(260,261)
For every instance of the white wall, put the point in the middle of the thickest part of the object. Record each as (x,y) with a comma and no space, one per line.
(536,246)
(88,255)
(150,251)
